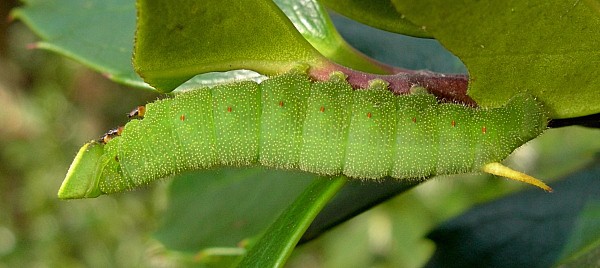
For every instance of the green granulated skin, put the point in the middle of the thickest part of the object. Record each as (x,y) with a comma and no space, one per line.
(326,126)
(322,127)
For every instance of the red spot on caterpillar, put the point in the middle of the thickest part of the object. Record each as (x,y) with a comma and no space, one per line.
(414,119)
(280,103)
(453,123)
(369,115)
(483,130)
(229,109)
(138,111)
(182,117)
(322,109)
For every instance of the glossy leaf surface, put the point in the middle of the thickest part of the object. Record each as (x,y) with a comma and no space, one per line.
(548,48)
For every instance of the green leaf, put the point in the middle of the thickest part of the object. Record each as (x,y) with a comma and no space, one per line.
(376,13)
(396,49)
(588,259)
(583,248)
(527,229)
(276,245)
(219,78)
(98,34)
(313,22)
(111,26)
(221,208)
(549,48)
(201,209)
(176,40)
(354,198)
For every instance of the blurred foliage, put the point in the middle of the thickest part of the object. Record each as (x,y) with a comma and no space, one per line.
(49,106)
(535,227)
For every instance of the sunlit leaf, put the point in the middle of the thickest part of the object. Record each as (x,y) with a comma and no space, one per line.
(176,40)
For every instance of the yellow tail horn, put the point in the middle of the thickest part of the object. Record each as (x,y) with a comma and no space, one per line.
(504,171)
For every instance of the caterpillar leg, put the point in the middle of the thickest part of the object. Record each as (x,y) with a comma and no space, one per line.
(137,112)
(110,135)
(504,171)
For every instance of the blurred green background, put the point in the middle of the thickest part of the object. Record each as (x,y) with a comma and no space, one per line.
(50,106)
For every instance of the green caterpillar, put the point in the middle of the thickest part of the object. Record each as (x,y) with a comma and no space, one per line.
(291,122)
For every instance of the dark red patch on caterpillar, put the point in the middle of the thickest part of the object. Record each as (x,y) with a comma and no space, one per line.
(229,109)
(280,103)
(182,117)
(322,109)
(369,115)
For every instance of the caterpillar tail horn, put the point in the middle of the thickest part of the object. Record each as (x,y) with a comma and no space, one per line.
(498,169)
